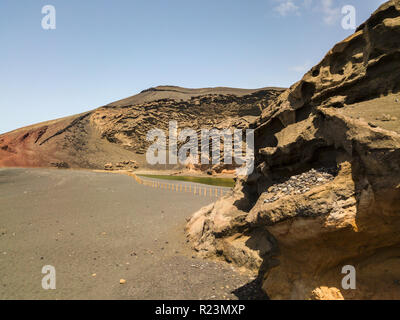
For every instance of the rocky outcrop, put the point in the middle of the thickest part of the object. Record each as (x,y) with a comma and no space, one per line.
(127,124)
(326,190)
(123,165)
(116,132)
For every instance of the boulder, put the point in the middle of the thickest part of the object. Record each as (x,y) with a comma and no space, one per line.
(108,166)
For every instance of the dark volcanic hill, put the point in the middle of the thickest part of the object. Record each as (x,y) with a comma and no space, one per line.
(117,132)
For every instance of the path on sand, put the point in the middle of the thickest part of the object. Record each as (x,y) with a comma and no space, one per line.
(98,228)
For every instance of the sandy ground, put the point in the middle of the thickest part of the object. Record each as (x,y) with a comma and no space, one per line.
(98,228)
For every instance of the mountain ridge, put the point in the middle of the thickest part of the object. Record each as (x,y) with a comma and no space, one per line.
(116,132)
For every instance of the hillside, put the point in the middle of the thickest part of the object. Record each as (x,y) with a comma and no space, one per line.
(116,133)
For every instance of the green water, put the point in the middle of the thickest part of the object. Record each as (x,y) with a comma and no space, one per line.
(220,182)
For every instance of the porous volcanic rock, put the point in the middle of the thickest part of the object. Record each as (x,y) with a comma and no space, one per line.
(326,189)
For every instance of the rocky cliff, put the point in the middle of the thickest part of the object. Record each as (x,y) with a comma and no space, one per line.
(116,133)
(326,190)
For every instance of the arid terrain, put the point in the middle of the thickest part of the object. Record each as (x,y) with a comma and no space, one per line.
(325,192)
(98,228)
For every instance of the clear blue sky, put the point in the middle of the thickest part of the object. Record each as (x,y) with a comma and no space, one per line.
(104,50)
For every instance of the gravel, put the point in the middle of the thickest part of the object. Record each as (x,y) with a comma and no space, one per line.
(300,184)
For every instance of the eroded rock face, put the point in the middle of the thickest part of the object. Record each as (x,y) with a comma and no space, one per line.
(299,233)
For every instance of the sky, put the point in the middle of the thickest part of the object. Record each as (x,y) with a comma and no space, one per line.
(105,50)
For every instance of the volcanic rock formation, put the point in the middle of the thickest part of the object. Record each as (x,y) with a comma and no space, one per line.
(326,190)
(116,133)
